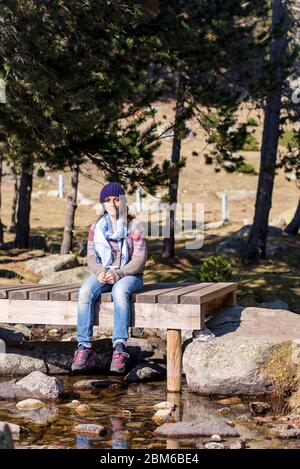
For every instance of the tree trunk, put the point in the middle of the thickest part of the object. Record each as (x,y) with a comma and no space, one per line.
(1,226)
(256,246)
(24,206)
(294,226)
(13,217)
(66,246)
(169,241)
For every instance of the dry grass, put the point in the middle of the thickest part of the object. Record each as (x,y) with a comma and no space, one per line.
(283,373)
(271,279)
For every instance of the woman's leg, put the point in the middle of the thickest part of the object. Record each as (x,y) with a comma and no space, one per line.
(121,293)
(89,293)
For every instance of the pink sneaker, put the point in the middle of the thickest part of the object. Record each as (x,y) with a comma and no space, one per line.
(118,363)
(84,360)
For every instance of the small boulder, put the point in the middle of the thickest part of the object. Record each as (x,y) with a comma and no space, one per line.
(163,415)
(213,445)
(92,384)
(40,386)
(7,390)
(239,444)
(76,275)
(216,438)
(52,263)
(164,406)
(16,364)
(259,408)
(145,372)
(196,428)
(30,404)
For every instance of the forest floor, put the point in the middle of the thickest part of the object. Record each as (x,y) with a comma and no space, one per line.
(273,278)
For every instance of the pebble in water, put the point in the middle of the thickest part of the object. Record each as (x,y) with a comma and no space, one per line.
(216,438)
(73,404)
(90,428)
(82,409)
(30,404)
(214,445)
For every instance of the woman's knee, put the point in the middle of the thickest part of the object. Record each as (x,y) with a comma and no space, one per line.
(88,289)
(119,291)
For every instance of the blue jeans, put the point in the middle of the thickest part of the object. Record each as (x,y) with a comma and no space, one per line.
(91,290)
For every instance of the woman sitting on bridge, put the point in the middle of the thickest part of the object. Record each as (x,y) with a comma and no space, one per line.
(116,257)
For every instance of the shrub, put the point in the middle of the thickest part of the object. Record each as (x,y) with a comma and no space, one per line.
(210,121)
(252,122)
(288,139)
(251,143)
(246,168)
(215,269)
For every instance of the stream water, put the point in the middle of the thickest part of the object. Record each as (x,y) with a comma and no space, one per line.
(126,413)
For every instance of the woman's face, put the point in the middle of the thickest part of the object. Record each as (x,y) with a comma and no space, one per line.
(112,205)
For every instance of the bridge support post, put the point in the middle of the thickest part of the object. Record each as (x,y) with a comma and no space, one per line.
(174,360)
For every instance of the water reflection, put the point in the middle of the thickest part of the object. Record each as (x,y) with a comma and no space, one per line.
(119,438)
(83,442)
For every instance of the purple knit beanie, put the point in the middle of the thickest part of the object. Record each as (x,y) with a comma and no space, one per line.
(111,189)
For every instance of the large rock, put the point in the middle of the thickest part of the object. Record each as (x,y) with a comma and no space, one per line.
(39,386)
(244,232)
(36,385)
(18,363)
(256,322)
(6,441)
(232,247)
(76,275)
(53,357)
(53,263)
(228,365)
(7,390)
(234,362)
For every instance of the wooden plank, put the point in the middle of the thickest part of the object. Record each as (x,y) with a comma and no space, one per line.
(65,313)
(206,294)
(213,306)
(47,291)
(151,296)
(64,295)
(173,297)
(107,296)
(24,293)
(6,288)
(174,362)
(216,290)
